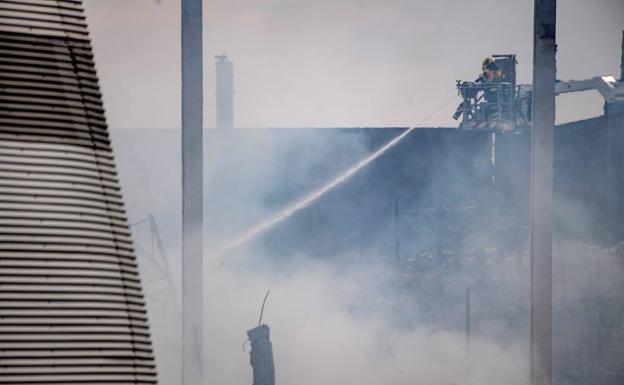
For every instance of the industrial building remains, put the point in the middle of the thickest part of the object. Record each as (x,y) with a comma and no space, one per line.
(261,356)
(447,211)
(440,212)
(71,303)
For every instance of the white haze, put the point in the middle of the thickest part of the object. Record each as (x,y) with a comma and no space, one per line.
(318,342)
(303,63)
(334,318)
(322,63)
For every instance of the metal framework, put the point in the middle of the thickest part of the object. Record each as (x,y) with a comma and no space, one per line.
(609,88)
(71,303)
(502,105)
(495,105)
(153,260)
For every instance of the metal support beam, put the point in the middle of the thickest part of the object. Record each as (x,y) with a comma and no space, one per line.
(262,356)
(542,143)
(192,194)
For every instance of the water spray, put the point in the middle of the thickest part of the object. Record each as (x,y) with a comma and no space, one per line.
(307,200)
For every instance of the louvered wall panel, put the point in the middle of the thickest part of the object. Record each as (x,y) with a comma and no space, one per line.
(71,306)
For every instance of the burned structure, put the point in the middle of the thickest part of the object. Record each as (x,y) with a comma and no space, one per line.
(461,221)
(71,302)
(261,356)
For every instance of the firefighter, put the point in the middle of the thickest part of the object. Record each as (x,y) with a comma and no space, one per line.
(491,74)
(490,71)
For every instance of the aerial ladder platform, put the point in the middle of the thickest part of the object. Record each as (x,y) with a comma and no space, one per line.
(502,105)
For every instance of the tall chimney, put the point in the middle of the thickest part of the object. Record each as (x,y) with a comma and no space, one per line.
(225,92)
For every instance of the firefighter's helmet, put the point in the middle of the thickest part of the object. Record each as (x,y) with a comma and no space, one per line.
(489,64)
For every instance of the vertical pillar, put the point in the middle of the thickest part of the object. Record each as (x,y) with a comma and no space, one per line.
(542,143)
(192,193)
(225,92)
(262,356)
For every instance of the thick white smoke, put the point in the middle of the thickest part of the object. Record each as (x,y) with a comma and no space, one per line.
(318,340)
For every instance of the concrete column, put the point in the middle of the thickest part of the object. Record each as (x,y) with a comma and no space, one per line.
(542,143)
(262,356)
(192,194)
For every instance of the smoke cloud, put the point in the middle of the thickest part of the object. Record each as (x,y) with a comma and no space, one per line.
(343,308)
(306,63)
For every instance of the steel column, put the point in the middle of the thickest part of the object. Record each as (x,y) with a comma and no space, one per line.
(192,194)
(542,143)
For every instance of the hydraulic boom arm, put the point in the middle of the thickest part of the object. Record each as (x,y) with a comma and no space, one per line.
(610,89)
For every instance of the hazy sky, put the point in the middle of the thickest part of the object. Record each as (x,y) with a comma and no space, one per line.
(338,62)
(325,63)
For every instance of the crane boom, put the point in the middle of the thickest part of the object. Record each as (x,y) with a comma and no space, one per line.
(610,89)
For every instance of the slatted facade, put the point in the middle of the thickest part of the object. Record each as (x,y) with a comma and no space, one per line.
(71,305)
